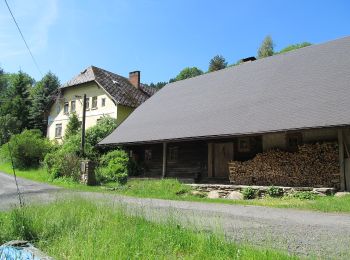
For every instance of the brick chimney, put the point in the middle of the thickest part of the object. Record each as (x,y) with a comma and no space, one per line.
(134,78)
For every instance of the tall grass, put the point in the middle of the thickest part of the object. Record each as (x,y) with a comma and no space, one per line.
(78,229)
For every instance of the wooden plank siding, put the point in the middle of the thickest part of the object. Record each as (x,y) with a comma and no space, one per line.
(191,159)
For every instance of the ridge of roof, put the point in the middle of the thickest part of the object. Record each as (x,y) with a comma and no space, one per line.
(118,87)
(303,89)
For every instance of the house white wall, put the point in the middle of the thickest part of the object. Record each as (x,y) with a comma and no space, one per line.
(75,93)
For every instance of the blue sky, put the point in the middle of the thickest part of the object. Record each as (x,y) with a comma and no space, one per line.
(158,37)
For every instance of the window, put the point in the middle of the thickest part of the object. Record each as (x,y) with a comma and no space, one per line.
(244,145)
(58,130)
(87,104)
(94,102)
(293,141)
(173,154)
(66,108)
(72,106)
(103,102)
(148,155)
(58,108)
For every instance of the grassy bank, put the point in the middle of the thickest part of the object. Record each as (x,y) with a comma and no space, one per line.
(41,175)
(78,229)
(174,190)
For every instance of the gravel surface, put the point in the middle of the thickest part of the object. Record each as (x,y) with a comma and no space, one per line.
(324,235)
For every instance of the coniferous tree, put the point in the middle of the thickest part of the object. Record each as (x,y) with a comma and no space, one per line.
(217,63)
(41,96)
(16,101)
(73,126)
(266,48)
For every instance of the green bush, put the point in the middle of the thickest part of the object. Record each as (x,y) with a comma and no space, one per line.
(275,191)
(73,126)
(249,193)
(104,127)
(28,149)
(64,160)
(304,195)
(113,166)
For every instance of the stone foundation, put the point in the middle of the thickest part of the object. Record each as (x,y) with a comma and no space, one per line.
(225,190)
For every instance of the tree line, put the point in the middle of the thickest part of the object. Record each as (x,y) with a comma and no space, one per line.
(218,62)
(24,103)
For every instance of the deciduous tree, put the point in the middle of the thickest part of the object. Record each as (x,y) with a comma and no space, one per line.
(218,62)
(295,47)
(266,48)
(187,73)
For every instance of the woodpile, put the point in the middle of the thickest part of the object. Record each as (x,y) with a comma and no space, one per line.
(315,165)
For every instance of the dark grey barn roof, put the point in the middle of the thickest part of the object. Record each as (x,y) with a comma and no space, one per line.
(118,87)
(306,88)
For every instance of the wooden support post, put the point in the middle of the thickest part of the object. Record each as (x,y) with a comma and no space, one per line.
(164,160)
(341,159)
(210,160)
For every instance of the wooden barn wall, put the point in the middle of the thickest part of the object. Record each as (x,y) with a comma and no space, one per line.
(192,159)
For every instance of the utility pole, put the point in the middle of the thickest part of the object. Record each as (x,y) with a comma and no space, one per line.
(83,128)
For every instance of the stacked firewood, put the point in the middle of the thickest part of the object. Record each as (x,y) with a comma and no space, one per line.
(315,165)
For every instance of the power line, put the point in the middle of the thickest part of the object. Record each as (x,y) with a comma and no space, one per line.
(25,42)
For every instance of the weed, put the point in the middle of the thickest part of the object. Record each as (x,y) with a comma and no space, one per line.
(274,192)
(249,193)
(304,195)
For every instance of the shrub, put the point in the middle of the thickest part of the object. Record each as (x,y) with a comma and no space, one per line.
(28,149)
(60,164)
(64,160)
(249,193)
(275,191)
(304,195)
(73,126)
(113,166)
(104,127)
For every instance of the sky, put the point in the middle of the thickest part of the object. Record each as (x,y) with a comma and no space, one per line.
(157,37)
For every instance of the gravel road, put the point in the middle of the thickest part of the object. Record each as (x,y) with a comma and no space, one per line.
(324,235)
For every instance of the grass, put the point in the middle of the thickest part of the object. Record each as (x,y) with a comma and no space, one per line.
(174,190)
(41,175)
(78,229)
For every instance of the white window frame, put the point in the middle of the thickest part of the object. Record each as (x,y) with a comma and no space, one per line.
(72,107)
(66,108)
(103,102)
(58,134)
(94,102)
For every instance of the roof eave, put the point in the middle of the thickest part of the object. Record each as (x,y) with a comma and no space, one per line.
(213,137)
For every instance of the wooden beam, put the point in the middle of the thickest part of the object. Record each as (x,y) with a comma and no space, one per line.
(210,160)
(164,160)
(341,159)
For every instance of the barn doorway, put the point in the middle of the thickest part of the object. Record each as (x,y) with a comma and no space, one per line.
(222,154)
